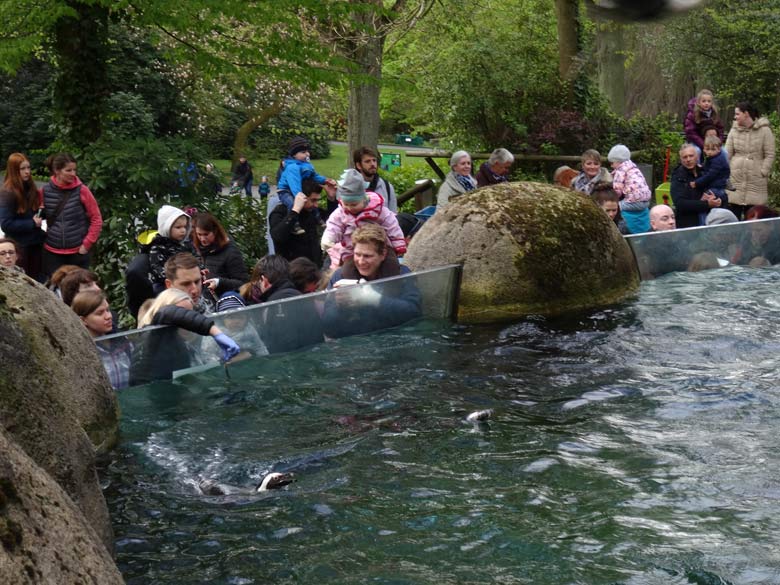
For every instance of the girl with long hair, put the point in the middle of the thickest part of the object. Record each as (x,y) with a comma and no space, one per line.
(19,215)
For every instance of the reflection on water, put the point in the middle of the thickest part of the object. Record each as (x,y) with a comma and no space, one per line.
(635,445)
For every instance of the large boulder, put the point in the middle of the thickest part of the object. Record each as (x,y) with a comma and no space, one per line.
(44,537)
(56,402)
(527,248)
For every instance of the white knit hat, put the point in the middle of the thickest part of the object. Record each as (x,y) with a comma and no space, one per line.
(166,217)
(619,153)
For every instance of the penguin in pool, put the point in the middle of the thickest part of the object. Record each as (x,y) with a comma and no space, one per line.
(272,481)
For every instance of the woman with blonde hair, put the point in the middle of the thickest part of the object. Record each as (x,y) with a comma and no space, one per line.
(164,351)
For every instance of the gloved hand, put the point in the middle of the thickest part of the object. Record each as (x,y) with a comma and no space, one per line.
(229,347)
(368,295)
(326,244)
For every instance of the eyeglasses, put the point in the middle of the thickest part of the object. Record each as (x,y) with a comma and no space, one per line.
(7,253)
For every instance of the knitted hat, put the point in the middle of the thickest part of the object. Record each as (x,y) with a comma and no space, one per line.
(230,301)
(619,153)
(351,186)
(718,216)
(166,217)
(298,144)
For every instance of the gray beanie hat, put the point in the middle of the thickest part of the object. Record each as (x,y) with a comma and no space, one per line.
(351,186)
(718,216)
(619,153)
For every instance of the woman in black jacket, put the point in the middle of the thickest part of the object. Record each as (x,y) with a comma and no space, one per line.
(164,351)
(222,258)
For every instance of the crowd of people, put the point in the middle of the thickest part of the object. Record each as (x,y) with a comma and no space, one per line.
(192,269)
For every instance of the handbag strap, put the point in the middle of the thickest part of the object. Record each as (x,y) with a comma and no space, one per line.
(61,205)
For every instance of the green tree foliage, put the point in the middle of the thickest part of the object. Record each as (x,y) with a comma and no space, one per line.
(477,75)
(729,46)
(26,118)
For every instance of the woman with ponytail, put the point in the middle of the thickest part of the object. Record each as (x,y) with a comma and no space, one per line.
(73,220)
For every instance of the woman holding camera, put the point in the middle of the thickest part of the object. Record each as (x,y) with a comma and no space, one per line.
(20,217)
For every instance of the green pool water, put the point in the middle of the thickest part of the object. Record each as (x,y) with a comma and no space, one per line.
(635,445)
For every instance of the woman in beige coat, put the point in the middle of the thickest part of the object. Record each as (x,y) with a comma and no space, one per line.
(751,149)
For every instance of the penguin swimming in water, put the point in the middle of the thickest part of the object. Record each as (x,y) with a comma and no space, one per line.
(480,416)
(272,481)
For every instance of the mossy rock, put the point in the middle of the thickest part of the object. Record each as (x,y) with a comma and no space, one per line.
(44,537)
(527,249)
(56,402)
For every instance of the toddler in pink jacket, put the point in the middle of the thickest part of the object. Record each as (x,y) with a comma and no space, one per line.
(356,207)
(628,181)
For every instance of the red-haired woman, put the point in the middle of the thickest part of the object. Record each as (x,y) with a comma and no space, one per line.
(224,262)
(19,216)
(73,220)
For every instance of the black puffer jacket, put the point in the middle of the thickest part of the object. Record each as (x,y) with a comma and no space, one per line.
(227,264)
(163,351)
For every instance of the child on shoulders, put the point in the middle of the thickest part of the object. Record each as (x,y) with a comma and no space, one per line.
(701,110)
(356,207)
(296,168)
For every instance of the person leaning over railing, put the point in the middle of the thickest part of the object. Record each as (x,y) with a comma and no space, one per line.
(92,308)
(366,307)
(163,351)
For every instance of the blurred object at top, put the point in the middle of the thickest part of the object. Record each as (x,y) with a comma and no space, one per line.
(631,10)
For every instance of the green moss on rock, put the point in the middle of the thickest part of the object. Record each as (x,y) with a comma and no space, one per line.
(527,248)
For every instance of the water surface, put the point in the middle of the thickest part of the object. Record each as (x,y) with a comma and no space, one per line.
(635,445)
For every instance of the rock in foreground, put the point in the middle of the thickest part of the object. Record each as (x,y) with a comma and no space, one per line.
(44,536)
(527,248)
(56,403)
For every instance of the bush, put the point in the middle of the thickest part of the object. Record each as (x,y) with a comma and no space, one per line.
(404,177)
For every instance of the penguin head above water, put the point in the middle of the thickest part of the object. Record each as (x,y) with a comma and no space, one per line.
(274,481)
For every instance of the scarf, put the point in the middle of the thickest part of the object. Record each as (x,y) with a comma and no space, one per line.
(465,181)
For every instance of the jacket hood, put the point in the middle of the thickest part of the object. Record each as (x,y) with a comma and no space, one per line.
(72,185)
(762,122)
(691,104)
(167,216)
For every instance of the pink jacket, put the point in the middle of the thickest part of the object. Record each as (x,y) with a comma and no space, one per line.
(341,224)
(629,183)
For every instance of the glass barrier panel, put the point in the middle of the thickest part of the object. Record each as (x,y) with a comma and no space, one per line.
(755,243)
(157,353)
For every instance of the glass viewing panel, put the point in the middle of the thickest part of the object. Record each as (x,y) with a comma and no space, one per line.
(285,325)
(754,243)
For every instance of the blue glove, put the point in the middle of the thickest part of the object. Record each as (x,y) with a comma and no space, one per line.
(229,347)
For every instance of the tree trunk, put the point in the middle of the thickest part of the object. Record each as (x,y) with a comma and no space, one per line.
(81,85)
(611,66)
(363,114)
(254,121)
(567,12)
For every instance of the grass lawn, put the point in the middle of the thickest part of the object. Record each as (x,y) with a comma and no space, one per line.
(331,167)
